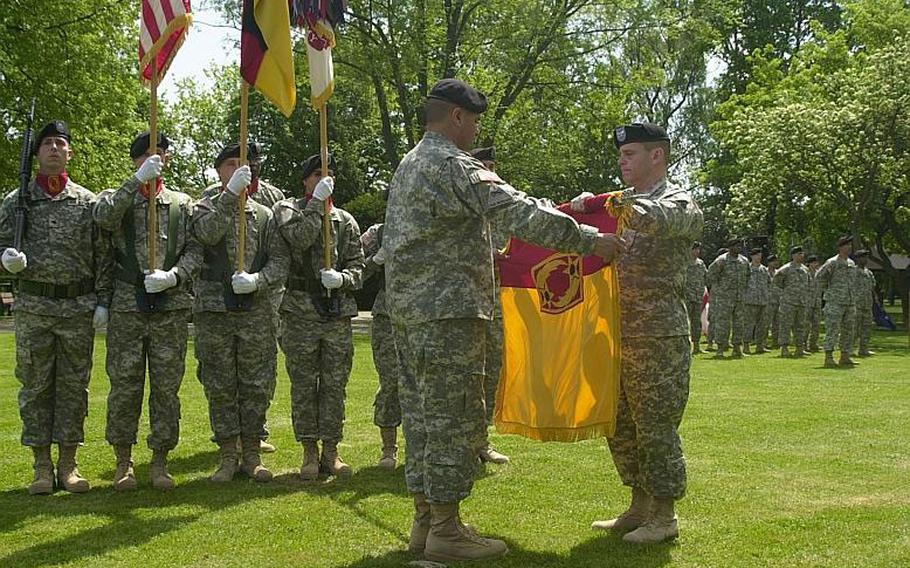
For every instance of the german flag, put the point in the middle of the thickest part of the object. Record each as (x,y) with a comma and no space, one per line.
(266,56)
(560,372)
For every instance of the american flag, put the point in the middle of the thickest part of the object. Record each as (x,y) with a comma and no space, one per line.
(163,29)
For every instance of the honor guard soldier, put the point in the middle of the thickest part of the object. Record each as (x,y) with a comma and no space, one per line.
(63,274)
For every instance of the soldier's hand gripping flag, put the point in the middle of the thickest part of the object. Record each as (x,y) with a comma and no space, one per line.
(161,33)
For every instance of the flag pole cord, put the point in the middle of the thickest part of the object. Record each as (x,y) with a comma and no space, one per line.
(324,155)
(241,201)
(152,186)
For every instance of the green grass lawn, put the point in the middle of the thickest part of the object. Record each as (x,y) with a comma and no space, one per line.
(790,464)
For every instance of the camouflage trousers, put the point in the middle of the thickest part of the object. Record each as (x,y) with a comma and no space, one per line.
(493,365)
(813,323)
(237,356)
(442,405)
(319,356)
(754,330)
(864,324)
(53,365)
(840,320)
(654,390)
(792,319)
(694,310)
(728,318)
(134,340)
(386,406)
(772,321)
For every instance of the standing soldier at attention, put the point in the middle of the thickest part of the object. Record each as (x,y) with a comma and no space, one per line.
(386,406)
(149,312)
(814,311)
(728,277)
(235,321)
(792,283)
(712,328)
(440,288)
(63,274)
(696,274)
(758,293)
(837,279)
(263,193)
(865,299)
(771,321)
(316,318)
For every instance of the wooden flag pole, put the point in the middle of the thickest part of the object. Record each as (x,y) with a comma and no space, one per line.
(152,186)
(324,156)
(241,201)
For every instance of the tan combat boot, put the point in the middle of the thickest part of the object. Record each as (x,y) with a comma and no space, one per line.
(389,459)
(420,528)
(845,360)
(309,471)
(43,483)
(784,352)
(451,541)
(489,454)
(661,526)
(228,466)
(737,352)
(124,477)
(800,352)
(331,463)
(760,349)
(266,448)
(829,360)
(161,479)
(746,350)
(633,517)
(252,464)
(68,471)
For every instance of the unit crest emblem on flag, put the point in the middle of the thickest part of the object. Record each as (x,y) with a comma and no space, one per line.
(558,279)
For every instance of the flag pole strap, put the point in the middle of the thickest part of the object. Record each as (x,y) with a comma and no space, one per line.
(152,186)
(241,201)
(324,155)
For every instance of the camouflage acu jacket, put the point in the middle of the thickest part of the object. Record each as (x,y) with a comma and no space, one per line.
(696,275)
(758,290)
(728,277)
(267,194)
(837,278)
(792,281)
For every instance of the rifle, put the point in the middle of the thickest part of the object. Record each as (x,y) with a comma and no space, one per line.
(25,176)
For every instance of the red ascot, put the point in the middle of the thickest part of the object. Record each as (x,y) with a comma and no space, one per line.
(52,184)
(144,188)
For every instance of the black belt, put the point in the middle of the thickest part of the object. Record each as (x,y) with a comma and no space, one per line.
(66,291)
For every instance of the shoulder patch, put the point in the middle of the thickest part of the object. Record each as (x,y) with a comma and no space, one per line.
(481,176)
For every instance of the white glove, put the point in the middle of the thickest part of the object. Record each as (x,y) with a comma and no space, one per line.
(101,316)
(150,169)
(244,282)
(241,178)
(578,202)
(324,189)
(159,280)
(331,278)
(379,257)
(13,260)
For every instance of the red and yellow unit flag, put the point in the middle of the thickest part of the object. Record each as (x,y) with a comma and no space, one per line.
(321,18)
(560,372)
(163,27)
(266,55)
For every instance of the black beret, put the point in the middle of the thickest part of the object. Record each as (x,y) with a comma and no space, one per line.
(140,143)
(845,240)
(721,251)
(696,245)
(756,250)
(487,154)
(639,132)
(861,252)
(772,258)
(56,128)
(232,150)
(459,93)
(795,250)
(733,242)
(314,163)
(812,258)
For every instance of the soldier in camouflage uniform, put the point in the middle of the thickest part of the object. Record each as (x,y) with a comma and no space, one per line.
(149,312)
(792,283)
(865,299)
(696,275)
(235,322)
(772,320)
(758,292)
(711,327)
(837,279)
(728,277)
(386,406)
(63,274)
(656,344)
(317,310)
(263,193)
(814,310)
(440,289)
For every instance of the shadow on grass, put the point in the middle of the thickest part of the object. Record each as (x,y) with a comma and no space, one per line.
(597,552)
